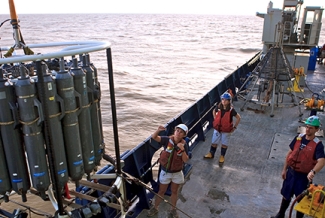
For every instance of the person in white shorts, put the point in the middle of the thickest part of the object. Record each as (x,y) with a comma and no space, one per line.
(171,160)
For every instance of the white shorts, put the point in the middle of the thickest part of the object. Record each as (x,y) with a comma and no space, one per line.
(222,138)
(166,178)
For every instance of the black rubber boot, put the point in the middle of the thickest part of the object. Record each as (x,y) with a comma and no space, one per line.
(279,215)
(284,206)
(299,214)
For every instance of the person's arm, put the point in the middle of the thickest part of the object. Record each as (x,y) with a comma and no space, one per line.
(185,157)
(285,166)
(319,165)
(320,157)
(155,135)
(214,113)
(291,147)
(237,120)
(181,146)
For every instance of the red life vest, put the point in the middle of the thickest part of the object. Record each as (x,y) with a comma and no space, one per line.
(223,124)
(302,160)
(174,163)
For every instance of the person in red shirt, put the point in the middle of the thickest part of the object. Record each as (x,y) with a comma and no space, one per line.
(322,54)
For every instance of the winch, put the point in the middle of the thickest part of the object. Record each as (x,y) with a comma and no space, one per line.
(315,102)
(312,202)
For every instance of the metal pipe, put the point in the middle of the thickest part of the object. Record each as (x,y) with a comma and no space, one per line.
(14,23)
(113,105)
(12,8)
(78,47)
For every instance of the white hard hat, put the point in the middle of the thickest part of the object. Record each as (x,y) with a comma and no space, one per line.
(183,127)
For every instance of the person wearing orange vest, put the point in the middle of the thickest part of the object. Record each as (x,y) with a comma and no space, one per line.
(304,159)
(322,54)
(172,160)
(223,126)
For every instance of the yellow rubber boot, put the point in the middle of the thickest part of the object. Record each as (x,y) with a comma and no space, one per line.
(222,159)
(208,156)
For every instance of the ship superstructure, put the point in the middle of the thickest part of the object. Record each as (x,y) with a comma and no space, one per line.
(295,28)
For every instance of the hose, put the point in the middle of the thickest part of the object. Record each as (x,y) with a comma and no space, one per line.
(298,198)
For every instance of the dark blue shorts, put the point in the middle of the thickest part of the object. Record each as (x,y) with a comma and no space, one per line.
(294,184)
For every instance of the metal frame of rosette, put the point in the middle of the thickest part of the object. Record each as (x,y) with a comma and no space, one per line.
(71,49)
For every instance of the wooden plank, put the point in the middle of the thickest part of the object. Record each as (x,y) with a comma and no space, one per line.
(71,204)
(96,186)
(93,199)
(83,196)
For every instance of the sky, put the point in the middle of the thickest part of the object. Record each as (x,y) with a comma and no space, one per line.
(218,7)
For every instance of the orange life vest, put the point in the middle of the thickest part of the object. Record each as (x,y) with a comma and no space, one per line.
(223,124)
(302,160)
(170,161)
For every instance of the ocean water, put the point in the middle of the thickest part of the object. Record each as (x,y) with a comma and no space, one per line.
(162,63)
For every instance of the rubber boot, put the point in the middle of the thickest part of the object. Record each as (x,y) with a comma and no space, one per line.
(299,214)
(222,156)
(279,215)
(211,153)
(284,206)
